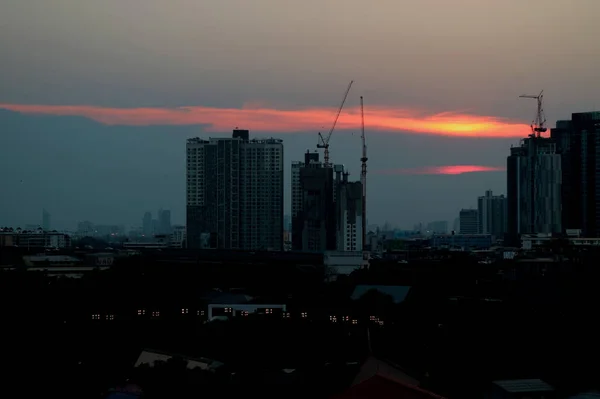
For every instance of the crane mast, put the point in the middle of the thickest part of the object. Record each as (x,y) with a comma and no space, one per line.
(538,125)
(324,141)
(363,175)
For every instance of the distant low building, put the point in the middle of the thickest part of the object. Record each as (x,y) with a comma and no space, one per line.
(178,236)
(33,238)
(344,262)
(217,311)
(468,221)
(462,241)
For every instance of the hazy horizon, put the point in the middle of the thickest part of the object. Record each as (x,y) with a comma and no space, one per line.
(98,98)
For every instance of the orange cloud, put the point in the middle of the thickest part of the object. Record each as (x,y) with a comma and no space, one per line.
(258,117)
(441,170)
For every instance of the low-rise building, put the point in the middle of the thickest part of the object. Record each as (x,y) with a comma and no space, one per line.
(462,241)
(39,238)
(344,262)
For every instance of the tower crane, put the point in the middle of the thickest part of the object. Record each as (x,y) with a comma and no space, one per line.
(324,141)
(363,174)
(538,125)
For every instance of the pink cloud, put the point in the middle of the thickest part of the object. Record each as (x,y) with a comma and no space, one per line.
(442,170)
(259,117)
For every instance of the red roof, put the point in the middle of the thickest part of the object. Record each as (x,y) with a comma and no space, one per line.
(380,387)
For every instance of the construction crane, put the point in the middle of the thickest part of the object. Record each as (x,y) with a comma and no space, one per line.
(324,141)
(538,125)
(363,174)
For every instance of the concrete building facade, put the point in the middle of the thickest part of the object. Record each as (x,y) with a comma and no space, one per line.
(235,193)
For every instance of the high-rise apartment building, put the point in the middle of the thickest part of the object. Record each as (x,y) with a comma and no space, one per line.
(235,193)
(578,143)
(534,188)
(468,221)
(491,210)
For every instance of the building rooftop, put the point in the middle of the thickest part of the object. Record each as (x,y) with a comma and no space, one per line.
(397,292)
(379,386)
(529,385)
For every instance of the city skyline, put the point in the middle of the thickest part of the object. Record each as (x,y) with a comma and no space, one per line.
(103,105)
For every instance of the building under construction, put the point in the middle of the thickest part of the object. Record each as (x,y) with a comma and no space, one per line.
(534,182)
(326,207)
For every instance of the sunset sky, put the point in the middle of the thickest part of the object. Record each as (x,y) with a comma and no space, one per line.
(98,97)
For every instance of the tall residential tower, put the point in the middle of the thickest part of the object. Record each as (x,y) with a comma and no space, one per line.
(235,193)
(534,188)
(578,143)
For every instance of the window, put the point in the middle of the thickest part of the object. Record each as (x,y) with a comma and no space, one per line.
(354,321)
(286,315)
(156,314)
(96,317)
(110,317)
(372,318)
(184,311)
(245,313)
(269,311)
(228,310)
(304,315)
(141,312)
(200,313)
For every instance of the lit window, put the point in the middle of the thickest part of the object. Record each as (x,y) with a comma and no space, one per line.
(156,314)
(184,311)
(269,311)
(245,313)
(346,318)
(286,315)
(141,312)
(95,317)
(380,322)
(227,310)
(354,321)
(110,317)
(200,313)
(304,315)
(372,318)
